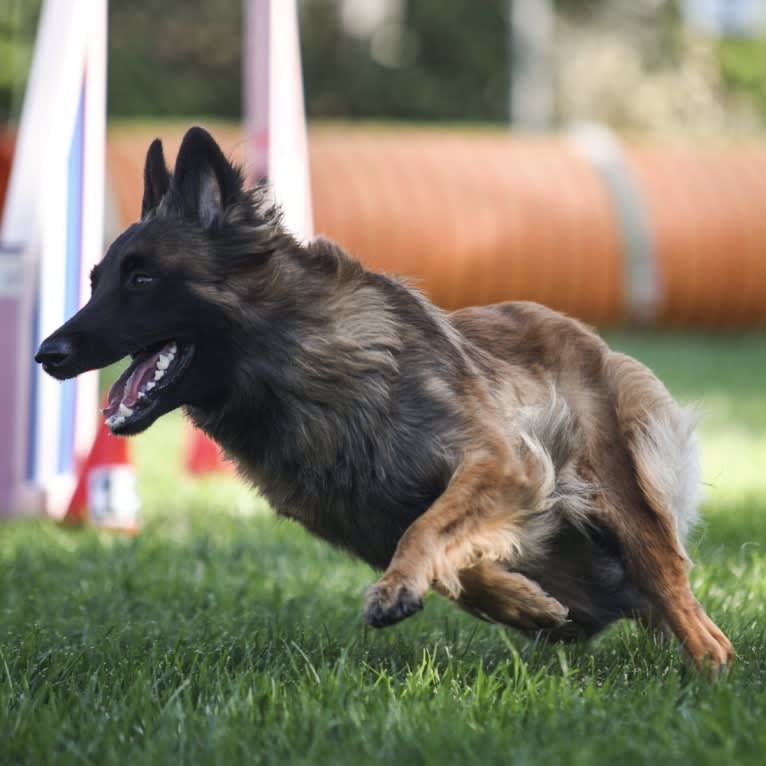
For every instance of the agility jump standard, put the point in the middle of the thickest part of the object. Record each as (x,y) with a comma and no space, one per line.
(52,233)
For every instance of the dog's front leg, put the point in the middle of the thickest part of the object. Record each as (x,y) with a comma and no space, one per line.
(479,517)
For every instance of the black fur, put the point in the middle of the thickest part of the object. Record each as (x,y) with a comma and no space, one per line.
(156,178)
(335,389)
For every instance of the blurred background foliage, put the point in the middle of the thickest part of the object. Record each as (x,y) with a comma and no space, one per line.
(633,64)
(421,59)
(18,25)
(743,64)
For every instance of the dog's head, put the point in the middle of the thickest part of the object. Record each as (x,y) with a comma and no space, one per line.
(154,293)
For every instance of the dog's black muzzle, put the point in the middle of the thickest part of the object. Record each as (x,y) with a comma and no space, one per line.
(84,342)
(56,356)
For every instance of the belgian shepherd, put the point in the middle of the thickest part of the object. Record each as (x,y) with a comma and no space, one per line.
(503,456)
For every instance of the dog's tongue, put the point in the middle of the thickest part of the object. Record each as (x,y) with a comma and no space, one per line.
(126,387)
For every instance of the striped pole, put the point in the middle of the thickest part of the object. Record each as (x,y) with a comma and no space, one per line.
(274,113)
(53,227)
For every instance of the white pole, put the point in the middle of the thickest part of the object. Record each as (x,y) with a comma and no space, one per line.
(532,35)
(274,112)
(93,196)
(256,57)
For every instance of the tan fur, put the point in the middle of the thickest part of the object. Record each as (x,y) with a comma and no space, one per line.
(488,590)
(565,429)
(661,439)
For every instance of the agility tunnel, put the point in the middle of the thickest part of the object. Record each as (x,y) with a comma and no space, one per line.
(612,233)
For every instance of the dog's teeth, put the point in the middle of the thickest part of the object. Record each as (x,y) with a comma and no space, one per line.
(115,420)
(163,362)
(158,374)
(150,385)
(124,411)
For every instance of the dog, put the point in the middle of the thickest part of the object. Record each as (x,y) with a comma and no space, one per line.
(502,456)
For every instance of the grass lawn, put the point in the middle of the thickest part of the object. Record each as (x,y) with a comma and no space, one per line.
(222,635)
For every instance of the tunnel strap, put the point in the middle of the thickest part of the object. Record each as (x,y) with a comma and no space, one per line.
(643,288)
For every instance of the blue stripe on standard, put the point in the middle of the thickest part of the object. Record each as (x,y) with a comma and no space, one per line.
(30,472)
(66,456)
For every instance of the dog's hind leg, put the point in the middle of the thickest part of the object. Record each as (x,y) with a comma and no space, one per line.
(490,511)
(660,568)
(660,440)
(490,591)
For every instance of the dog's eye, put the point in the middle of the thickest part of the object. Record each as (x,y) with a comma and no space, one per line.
(140,279)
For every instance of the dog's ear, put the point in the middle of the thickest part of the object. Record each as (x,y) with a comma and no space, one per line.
(156,177)
(206,181)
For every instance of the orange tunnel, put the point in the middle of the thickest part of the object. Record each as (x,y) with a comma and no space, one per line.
(707,210)
(479,217)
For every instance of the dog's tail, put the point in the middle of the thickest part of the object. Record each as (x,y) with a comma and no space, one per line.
(661,439)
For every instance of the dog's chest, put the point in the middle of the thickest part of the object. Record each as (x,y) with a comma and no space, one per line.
(356,474)
(360,503)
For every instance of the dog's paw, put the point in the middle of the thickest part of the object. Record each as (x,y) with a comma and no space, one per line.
(389,603)
(522,603)
(710,649)
(547,615)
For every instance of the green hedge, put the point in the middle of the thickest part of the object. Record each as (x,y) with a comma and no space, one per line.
(184,58)
(743,65)
(169,57)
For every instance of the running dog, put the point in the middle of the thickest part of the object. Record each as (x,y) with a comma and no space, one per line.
(503,456)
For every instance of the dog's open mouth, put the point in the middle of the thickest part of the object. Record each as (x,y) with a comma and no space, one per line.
(137,395)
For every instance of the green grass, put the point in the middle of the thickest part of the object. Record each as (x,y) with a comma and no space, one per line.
(223,635)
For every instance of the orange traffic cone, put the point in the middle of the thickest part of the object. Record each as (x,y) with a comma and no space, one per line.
(203,455)
(106,494)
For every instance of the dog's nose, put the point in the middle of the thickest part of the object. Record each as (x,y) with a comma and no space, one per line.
(54,352)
